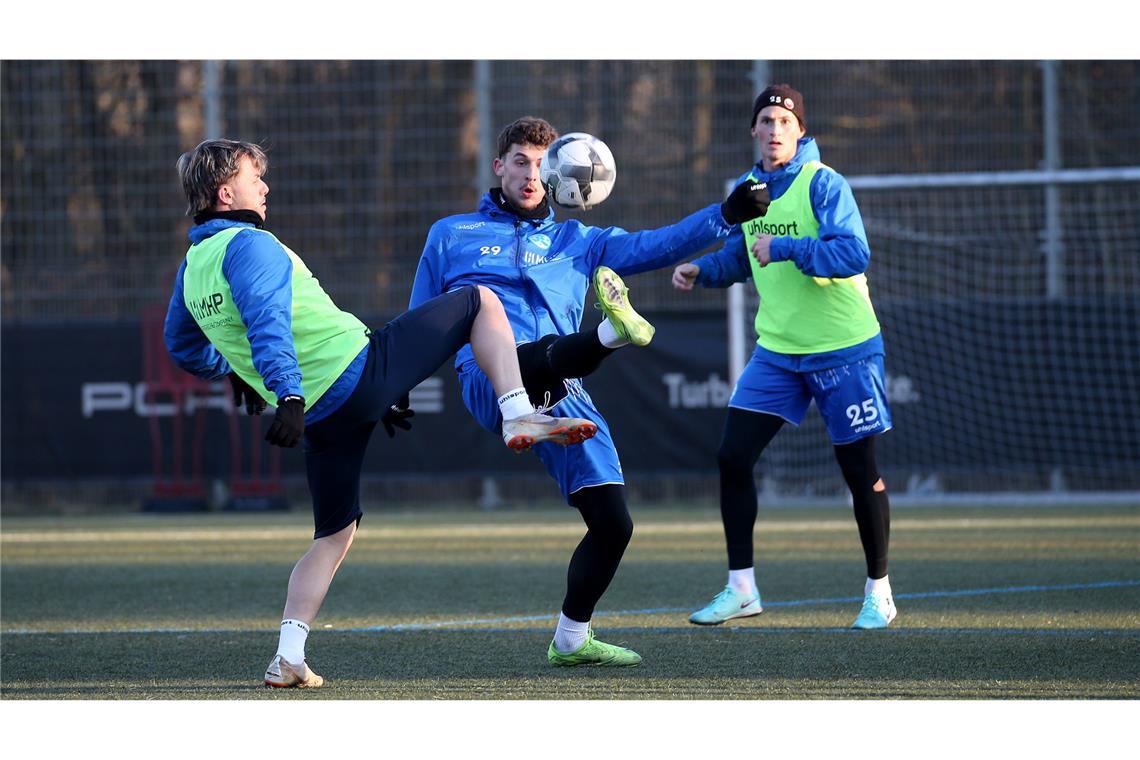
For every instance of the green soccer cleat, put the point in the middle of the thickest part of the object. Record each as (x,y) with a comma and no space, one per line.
(726,605)
(878,612)
(627,323)
(594,652)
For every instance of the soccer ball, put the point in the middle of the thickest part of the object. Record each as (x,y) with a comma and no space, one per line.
(578,171)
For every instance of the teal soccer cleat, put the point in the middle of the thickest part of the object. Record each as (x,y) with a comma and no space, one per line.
(878,612)
(594,652)
(726,605)
(614,303)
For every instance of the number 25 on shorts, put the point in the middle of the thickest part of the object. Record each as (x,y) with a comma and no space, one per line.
(862,415)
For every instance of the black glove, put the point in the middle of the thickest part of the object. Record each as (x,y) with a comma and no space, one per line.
(397,416)
(244,394)
(749,200)
(288,423)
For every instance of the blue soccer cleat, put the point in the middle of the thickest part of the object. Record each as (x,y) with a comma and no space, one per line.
(878,612)
(726,605)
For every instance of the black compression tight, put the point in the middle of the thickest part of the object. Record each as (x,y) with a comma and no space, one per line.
(869,499)
(593,564)
(745,436)
(546,362)
(576,355)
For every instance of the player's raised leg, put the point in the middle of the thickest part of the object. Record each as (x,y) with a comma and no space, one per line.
(492,342)
(552,359)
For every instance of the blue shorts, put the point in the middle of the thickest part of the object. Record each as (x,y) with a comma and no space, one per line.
(851,397)
(593,462)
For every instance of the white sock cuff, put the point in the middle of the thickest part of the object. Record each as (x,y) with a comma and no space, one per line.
(608,335)
(515,403)
(880,586)
(570,634)
(291,645)
(567,624)
(743,580)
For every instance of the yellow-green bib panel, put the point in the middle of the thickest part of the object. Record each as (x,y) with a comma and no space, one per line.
(325,339)
(799,314)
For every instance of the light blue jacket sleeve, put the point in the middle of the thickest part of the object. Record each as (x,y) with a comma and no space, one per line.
(260,274)
(841,249)
(429,273)
(634,252)
(185,341)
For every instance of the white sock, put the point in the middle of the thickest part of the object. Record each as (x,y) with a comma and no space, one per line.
(608,335)
(515,403)
(743,581)
(291,646)
(570,634)
(877,586)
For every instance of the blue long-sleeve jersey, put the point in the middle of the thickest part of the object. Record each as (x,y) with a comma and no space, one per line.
(841,249)
(259,273)
(541,269)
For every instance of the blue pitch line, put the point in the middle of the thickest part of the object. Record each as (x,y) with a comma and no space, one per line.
(611,631)
(657,610)
(793,603)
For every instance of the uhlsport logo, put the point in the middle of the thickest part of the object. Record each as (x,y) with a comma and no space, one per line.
(760,227)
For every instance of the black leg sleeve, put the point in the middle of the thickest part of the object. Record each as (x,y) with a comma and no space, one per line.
(872,508)
(745,436)
(594,562)
(546,362)
(576,355)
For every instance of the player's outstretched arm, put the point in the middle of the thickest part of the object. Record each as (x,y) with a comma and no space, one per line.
(632,252)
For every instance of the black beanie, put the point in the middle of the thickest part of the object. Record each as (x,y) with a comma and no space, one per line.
(781,95)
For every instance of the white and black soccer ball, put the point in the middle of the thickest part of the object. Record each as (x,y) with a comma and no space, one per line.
(578,171)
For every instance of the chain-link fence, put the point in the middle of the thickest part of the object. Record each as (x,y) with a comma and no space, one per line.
(365,155)
(1021,293)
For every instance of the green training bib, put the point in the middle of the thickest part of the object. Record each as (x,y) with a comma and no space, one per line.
(325,339)
(799,314)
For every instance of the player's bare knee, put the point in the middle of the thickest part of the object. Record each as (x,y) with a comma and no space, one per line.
(488,299)
(341,540)
(879,486)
